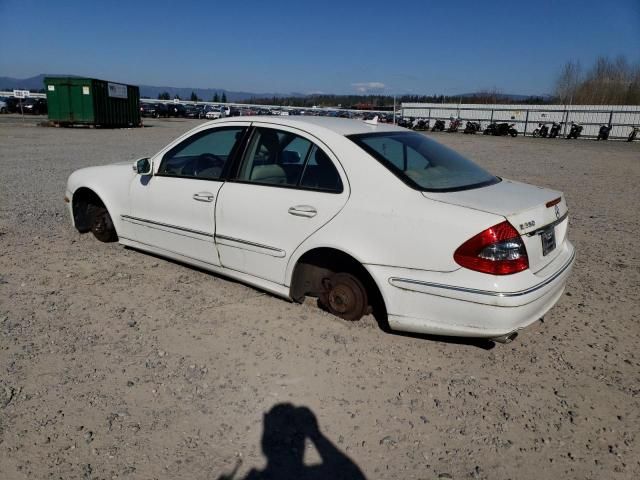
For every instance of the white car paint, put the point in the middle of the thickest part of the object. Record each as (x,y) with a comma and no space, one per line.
(185,204)
(403,237)
(267,220)
(218,112)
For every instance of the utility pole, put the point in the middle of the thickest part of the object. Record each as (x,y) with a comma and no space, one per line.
(566,117)
(394,108)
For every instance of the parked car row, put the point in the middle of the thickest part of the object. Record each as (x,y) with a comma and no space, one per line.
(32,106)
(166,110)
(211,112)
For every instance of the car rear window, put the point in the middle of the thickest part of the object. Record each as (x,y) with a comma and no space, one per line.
(422,163)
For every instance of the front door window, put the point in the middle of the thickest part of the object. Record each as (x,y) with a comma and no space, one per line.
(205,155)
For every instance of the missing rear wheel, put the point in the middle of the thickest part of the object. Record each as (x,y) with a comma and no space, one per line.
(344,296)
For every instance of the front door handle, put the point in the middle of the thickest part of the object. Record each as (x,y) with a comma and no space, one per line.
(303,211)
(203,196)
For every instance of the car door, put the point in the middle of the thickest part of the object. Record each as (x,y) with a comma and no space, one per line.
(174,208)
(286,186)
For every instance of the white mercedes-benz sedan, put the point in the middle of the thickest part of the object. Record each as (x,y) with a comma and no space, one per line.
(366,217)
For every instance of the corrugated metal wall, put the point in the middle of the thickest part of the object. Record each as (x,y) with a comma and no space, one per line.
(622,117)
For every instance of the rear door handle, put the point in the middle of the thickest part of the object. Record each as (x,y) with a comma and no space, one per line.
(203,196)
(303,211)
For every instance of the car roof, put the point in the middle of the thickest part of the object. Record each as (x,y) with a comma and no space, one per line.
(341,126)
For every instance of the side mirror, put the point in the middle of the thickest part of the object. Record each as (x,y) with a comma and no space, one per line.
(142,166)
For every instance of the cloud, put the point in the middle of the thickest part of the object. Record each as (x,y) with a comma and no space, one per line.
(363,87)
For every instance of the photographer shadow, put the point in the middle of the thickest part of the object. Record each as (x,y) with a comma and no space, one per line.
(286,428)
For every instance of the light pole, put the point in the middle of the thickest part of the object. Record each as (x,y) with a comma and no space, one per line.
(394,108)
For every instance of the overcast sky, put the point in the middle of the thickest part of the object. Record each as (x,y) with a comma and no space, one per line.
(420,47)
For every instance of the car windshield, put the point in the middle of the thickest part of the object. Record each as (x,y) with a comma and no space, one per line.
(422,163)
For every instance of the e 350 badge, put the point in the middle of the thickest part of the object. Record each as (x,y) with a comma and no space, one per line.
(529,224)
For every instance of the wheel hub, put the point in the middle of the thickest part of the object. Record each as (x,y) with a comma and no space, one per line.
(341,298)
(100,224)
(344,296)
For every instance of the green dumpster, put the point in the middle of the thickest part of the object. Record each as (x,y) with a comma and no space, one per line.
(88,101)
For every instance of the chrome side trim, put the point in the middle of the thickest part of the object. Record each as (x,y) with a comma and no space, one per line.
(160,224)
(486,292)
(217,266)
(253,244)
(538,231)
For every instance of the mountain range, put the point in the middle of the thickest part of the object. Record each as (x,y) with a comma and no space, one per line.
(206,94)
(147,91)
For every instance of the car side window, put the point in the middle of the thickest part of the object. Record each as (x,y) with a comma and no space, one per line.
(274,158)
(203,155)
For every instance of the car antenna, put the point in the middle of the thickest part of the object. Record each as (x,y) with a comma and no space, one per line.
(373,121)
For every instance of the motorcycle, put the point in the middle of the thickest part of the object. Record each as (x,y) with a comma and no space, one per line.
(420,125)
(603,133)
(576,130)
(438,126)
(541,131)
(405,122)
(555,130)
(472,127)
(501,129)
(454,125)
(633,134)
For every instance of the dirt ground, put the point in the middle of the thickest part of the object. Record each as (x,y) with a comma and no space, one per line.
(119,364)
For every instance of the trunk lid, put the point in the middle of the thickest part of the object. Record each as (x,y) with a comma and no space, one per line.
(535,212)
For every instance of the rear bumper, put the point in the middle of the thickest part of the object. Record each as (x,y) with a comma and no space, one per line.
(466,303)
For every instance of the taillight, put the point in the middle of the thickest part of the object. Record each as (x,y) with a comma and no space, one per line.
(498,250)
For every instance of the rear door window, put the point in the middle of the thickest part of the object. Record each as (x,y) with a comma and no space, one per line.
(280,158)
(320,173)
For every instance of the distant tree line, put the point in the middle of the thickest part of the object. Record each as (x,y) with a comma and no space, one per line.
(385,102)
(194,97)
(219,98)
(167,96)
(607,82)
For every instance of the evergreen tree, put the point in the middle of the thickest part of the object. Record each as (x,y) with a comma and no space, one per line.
(224,97)
(216,97)
(194,97)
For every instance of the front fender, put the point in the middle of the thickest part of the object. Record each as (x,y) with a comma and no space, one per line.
(111,183)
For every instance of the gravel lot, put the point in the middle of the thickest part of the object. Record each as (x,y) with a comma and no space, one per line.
(118,364)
